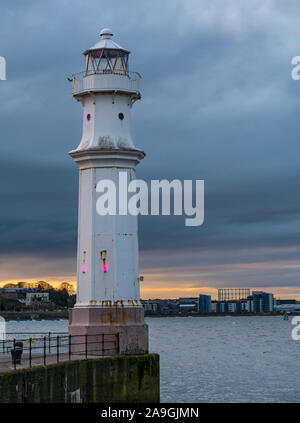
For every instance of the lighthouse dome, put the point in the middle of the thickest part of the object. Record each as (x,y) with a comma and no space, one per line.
(106,31)
(106,42)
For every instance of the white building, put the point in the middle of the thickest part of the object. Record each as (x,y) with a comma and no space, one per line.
(33,297)
(289,308)
(231,307)
(108,282)
(150,306)
(214,306)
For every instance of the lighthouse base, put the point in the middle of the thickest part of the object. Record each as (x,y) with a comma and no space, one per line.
(108,330)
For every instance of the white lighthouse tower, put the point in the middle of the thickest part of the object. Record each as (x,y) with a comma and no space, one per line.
(108,281)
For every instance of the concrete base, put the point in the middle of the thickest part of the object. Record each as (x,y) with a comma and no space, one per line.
(112,330)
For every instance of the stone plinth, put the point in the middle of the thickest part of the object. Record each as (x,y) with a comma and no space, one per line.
(112,330)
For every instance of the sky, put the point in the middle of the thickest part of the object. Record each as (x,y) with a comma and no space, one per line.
(218,103)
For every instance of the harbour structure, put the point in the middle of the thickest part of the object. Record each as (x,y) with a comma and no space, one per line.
(226,294)
(108,280)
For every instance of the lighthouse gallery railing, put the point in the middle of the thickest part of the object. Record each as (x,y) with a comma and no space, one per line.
(106,81)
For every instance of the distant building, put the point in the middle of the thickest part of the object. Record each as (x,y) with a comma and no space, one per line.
(263,302)
(16,293)
(9,293)
(279,302)
(289,307)
(244,306)
(160,307)
(204,305)
(33,297)
(249,304)
(227,294)
(187,305)
(214,306)
(231,307)
(150,307)
(222,307)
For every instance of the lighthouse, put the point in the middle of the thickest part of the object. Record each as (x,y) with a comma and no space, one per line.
(108,281)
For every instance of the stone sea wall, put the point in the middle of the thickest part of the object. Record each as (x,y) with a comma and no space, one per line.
(130,378)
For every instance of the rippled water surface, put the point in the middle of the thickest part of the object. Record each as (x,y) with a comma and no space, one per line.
(217,359)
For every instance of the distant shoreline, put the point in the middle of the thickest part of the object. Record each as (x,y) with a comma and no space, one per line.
(35,315)
(64,314)
(220,314)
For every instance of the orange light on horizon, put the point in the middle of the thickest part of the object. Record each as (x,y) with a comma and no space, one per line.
(167,284)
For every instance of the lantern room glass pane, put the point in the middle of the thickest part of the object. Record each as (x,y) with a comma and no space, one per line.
(103,64)
(107,61)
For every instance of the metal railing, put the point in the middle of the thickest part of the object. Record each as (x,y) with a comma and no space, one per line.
(43,349)
(108,81)
(5,344)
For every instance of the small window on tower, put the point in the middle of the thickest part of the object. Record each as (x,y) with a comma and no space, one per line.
(121,116)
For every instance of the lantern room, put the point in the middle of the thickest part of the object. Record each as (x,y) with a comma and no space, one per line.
(106,56)
(106,70)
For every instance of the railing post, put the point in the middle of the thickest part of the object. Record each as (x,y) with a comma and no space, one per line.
(86,345)
(70,340)
(57,348)
(49,338)
(118,342)
(3,345)
(45,346)
(102,343)
(30,342)
(15,364)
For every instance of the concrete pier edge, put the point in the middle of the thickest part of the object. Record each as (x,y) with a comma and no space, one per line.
(119,379)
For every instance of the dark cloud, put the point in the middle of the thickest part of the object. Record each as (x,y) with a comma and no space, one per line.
(218,104)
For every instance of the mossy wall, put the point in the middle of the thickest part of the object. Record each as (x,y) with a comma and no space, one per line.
(133,378)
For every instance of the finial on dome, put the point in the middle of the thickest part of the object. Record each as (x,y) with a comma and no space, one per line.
(106,33)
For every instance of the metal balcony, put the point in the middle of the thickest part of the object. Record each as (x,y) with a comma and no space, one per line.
(106,81)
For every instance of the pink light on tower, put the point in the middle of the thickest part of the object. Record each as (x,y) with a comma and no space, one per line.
(83,264)
(103,258)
